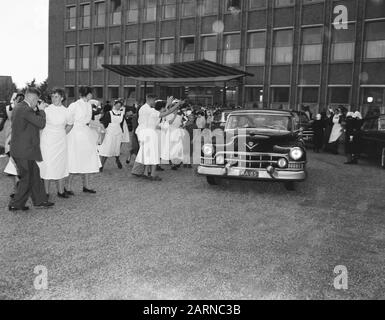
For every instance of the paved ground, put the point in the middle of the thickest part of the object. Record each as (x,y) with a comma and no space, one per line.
(182,239)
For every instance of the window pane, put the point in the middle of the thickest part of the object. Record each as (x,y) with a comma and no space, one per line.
(71,18)
(375,40)
(257,4)
(232,52)
(309,95)
(343,45)
(115,53)
(149,52)
(256,45)
(149,10)
(131,53)
(116,9)
(85,57)
(209,7)
(209,48)
(133,11)
(100,9)
(86,15)
(169,9)
(283,47)
(167,51)
(340,95)
(188,8)
(99,56)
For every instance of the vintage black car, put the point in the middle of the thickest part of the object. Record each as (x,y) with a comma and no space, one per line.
(257,145)
(373,138)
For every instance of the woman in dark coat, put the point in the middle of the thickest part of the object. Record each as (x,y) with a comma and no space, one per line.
(319,132)
(353,137)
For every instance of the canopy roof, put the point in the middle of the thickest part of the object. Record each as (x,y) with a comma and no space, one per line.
(185,72)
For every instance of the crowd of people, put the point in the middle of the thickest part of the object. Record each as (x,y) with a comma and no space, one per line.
(336,126)
(55,143)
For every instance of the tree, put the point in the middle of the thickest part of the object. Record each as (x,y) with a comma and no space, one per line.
(43,88)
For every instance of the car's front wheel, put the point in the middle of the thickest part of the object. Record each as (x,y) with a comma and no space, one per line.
(383,158)
(212,181)
(290,186)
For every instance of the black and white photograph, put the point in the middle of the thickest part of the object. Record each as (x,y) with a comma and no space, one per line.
(210,152)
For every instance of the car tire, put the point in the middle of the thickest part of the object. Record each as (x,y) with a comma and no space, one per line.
(212,181)
(383,158)
(290,186)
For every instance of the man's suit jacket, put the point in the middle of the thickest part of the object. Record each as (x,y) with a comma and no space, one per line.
(25,138)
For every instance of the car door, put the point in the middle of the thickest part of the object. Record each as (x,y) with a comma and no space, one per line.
(369,143)
(381,134)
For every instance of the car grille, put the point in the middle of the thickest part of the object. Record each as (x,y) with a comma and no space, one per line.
(254,161)
(257,161)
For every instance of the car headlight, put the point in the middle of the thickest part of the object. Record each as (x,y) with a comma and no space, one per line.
(208,150)
(296,153)
(220,160)
(282,163)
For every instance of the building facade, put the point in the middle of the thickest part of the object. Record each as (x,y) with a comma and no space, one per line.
(319,53)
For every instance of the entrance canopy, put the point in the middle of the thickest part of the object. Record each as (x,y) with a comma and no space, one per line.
(185,72)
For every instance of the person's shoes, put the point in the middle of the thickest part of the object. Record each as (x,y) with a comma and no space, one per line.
(155,178)
(119,164)
(13,209)
(69,193)
(159,168)
(45,205)
(128,161)
(63,195)
(101,169)
(85,190)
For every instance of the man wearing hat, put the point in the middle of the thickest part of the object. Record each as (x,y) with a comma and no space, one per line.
(28,118)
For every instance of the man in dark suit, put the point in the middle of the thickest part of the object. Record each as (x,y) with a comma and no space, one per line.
(28,118)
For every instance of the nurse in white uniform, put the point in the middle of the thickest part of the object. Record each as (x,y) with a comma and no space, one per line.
(149,123)
(83,155)
(53,144)
(176,142)
(112,142)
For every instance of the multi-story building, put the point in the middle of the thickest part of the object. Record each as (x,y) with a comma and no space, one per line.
(319,53)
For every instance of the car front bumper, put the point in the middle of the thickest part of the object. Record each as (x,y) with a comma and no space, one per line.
(261,174)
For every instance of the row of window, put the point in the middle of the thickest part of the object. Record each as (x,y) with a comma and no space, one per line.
(342,49)
(148,10)
(371,97)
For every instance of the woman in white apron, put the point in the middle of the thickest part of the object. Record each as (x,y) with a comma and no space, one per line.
(10,168)
(112,142)
(83,158)
(336,132)
(53,144)
(176,142)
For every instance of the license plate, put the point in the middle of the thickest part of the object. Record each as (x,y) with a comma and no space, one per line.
(251,174)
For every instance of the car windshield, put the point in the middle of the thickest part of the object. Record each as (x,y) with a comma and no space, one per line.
(259,122)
